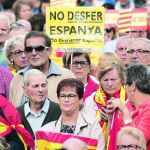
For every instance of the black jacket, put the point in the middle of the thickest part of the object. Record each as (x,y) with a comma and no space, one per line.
(53,114)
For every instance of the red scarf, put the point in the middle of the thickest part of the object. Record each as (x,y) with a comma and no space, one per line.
(13,122)
(90,88)
(101,100)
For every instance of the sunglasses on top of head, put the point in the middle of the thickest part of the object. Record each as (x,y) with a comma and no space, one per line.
(38,48)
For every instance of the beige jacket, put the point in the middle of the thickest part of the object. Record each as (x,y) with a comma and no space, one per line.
(87,126)
(16,90)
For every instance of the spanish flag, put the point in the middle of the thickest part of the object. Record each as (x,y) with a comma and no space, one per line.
(12,121)
(53,140)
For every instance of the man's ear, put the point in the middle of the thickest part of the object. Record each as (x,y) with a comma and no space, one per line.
(49,49)
(25,89)
(133,87)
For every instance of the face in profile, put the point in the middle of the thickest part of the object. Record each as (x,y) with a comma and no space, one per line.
(111,82)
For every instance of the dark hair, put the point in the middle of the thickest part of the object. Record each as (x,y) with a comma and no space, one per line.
(108,6)
(37,34)
(71,82)
(43,1)
(37,22)
(75,54)
(140,74)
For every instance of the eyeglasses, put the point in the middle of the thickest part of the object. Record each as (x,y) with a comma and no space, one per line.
(71,97)
(132,51)
(18,52)
(83,64)
(129,147)
(39,48)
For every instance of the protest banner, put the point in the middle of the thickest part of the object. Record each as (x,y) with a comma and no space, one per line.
(75,27)
(139,19)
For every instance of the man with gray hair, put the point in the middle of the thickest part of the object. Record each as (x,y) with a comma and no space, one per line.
(39,110)
(121,49)
(74,143)
(38,50)
(139,51)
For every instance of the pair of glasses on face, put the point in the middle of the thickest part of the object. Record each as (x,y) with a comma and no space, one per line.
(39,48)
(71,97)
(83,64)
(132,51)
(129,147)
(18,52)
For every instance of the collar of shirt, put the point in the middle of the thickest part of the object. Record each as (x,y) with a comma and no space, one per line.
(53,69)
(44,108)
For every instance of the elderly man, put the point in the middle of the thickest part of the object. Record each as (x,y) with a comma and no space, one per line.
(4,30)
(38,111)
(121,49)
(139,51)
(72,143)
(37,51)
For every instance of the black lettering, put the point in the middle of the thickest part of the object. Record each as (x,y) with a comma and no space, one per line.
(98,30)
(52,30)
(82,30)
(99,16)
(59,29)
(70,15)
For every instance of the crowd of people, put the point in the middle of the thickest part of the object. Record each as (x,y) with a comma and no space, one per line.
(107,102)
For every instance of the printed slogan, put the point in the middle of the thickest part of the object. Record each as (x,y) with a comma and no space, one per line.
(75,27)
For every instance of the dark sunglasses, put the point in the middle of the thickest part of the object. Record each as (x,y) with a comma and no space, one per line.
(38,48)
(108,30)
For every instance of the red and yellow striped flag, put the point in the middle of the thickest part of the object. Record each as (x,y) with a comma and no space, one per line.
(63,2)
(124,20)
(12,121)
(52,141)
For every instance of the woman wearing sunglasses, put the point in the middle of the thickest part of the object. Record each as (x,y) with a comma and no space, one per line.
(15,54)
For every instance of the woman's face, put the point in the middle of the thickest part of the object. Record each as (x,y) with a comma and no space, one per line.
(25,12)
(71,103)
(111,82)
(18,57)
(80,67)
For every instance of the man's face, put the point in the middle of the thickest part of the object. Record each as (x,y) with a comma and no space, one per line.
(36,58)
(121,51)
(3,31)
(138,52)
(37,89)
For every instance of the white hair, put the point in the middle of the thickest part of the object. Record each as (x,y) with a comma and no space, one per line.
(32,72)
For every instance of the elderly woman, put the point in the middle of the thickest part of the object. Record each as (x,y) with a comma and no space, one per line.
(138,90)
(111,78)
(130,138)
(72,120)
(15,54)
(80,64)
